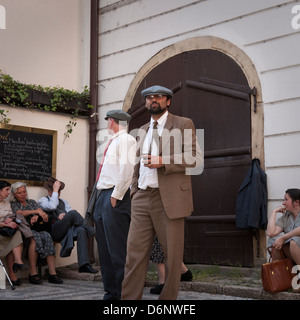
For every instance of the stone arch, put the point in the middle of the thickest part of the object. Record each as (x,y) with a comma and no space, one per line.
(250,72)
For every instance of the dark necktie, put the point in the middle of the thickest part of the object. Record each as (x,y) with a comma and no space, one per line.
(155,137)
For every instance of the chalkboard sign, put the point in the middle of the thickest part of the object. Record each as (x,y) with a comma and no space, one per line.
(27,154)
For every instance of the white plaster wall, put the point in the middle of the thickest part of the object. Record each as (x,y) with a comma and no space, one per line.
(46,42)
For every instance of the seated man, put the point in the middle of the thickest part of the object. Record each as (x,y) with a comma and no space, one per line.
(67,225)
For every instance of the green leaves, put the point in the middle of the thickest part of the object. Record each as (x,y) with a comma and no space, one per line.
(49,99)
(3,115)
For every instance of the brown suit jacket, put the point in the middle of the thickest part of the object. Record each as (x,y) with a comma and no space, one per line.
(180,151)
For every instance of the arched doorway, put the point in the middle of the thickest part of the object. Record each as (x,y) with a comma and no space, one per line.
(211,88)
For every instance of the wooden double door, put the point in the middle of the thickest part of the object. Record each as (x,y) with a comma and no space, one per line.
(211,89)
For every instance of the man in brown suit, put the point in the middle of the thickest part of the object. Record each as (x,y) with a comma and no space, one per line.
(161,193)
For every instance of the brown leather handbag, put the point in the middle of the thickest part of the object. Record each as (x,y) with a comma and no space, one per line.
(277,275)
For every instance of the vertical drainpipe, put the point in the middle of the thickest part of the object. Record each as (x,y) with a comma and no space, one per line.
(93,121)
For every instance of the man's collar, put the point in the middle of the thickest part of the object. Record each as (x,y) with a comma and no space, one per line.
(161,119)
(115,135)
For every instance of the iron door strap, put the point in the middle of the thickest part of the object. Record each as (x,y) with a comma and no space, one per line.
(225,88)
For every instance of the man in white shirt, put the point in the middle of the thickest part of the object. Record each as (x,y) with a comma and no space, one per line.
(112,211)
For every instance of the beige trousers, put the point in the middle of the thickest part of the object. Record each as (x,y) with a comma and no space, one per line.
(148,218)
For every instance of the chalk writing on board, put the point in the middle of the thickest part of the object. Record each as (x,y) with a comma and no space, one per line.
(25,155)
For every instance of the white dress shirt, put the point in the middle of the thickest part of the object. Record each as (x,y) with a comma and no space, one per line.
(118,164)
(51,203)
(148,177)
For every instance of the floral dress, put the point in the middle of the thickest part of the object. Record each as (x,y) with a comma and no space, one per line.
(43,240)
(157,255)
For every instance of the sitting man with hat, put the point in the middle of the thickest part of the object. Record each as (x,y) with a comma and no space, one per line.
(68,225)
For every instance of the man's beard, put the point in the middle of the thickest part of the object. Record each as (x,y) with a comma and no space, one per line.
(157,110)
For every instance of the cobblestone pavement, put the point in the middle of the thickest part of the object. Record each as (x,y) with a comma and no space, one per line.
(227,285)
(73,289)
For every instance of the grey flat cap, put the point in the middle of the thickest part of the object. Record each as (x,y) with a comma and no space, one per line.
(157,90)
(118,115)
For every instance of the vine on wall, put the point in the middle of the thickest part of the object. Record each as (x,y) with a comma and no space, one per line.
(50,99)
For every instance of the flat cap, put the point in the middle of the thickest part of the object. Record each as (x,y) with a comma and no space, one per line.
(157,90)
(118,115)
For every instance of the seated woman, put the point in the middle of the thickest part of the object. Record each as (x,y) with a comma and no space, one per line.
(10,247)
(284,233)
(44,244)
(68,225)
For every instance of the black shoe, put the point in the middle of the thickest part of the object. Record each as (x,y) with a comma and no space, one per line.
(109,296)
(35,279)
(53,278)
(87,268)
(16,267)
(17,282)
(157,289)
(187,276)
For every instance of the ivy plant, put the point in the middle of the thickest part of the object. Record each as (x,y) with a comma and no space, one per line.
(54,99)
